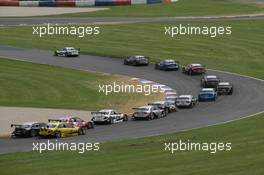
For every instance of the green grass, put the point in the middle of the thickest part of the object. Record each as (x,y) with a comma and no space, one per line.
(181,8)
(242,52)
(147,156)
(34,85)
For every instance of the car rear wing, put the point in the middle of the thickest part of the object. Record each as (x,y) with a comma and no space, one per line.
(102,113)
(154,104)
(138,108)
(14,125)
(54,120)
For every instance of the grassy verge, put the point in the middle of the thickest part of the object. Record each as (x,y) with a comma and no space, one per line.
(181,8)
(147,155)
(33,85)
(240,52)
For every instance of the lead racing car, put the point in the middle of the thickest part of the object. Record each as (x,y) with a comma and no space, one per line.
(57,129)
(67,52)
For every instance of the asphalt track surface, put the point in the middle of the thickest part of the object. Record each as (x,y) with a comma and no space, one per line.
(35,21)
(247,98)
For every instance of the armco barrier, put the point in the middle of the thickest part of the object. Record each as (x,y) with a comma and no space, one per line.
(65,3)
(166,1)
(153,1)
(9,3)
(77,3)
(103,2)
(138,2)
(84,3)
(47,4)
(29,3)
(121,2)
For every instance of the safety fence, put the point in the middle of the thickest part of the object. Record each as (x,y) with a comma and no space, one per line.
(77,3)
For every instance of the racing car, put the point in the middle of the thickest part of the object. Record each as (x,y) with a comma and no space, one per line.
(67,52)
(167,65)
(57,129)
(207,94)
(210,81)
(193,69)
(108,116)
(78,122)
(137,60)
(188,101)
(149,112)
(166,106)
(28,129)
(224,88)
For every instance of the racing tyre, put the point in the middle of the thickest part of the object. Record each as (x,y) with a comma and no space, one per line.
(90,126)
(57,135)
(81,131)
(151,116)
(125,118)
(166,112)
(33,133)
(163,114)
(111,121)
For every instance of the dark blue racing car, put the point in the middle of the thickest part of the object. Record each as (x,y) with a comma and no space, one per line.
(167,65)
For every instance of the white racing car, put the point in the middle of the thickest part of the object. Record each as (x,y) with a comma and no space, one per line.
(148,112)
(67,52)
(186,101)
(108,116)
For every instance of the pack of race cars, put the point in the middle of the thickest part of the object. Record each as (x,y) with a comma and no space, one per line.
(211,87)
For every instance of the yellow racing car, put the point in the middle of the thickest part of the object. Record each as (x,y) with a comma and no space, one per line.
(58,129)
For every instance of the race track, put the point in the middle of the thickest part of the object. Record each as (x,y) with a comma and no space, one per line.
(35,21)
(247,98)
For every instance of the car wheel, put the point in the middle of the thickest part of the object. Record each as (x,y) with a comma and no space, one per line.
(33,133)
(151,116)
(163,114)
(125,118)
(90,126)
(166,111)
(57,135)
(112,121)
(81,131)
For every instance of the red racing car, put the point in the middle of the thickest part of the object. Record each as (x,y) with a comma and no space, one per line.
(78,122)
(194,69)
